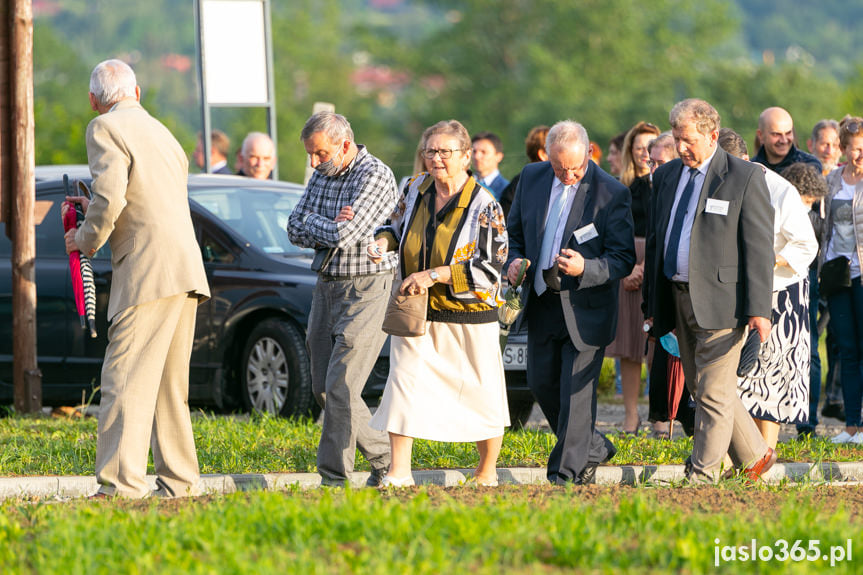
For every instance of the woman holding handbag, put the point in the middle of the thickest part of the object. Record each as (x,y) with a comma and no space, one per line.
(844,210)
(448,383)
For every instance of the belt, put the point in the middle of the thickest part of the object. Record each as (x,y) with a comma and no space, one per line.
(330,278)
(682,286)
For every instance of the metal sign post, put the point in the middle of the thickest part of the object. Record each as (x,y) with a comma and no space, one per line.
(235,62)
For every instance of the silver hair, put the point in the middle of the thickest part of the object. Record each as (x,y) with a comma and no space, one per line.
(567,132)
(823,125)
(112,81)
(703,115)
(335,126)
(251,138)
(663,140)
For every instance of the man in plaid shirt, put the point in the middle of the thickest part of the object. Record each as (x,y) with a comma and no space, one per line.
(350,194)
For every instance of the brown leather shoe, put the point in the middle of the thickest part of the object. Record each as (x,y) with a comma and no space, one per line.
(99,495)
(761,466)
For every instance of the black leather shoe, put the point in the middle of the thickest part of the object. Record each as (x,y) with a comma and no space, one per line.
(375,477)
(834,410)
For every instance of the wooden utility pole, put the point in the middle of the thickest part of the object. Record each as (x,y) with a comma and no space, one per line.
(20,158)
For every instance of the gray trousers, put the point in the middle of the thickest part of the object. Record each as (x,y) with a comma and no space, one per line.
(344,339)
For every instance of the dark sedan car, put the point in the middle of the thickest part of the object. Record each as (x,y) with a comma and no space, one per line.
(249,347)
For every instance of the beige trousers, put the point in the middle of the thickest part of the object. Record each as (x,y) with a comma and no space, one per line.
(722,424)
(145,401)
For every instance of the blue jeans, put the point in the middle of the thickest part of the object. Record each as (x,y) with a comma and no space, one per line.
(815,357)
(846,316)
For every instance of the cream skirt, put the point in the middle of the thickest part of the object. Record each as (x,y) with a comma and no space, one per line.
(447,385)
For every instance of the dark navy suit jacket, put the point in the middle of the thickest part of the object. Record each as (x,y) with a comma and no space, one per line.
(590,300)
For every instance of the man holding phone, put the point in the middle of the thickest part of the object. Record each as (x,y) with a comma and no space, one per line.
(574,222)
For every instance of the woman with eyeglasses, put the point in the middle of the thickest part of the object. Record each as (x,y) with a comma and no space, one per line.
(448,384)
(629,341)
(844,210)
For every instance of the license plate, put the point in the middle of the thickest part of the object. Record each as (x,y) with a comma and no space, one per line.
(515,356)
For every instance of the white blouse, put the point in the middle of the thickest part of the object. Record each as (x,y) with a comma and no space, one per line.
(793,236)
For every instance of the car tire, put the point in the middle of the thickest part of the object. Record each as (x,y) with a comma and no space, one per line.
(519,412)
(275,376)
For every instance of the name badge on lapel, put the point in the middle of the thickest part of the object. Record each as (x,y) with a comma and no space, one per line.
(719,207)
(585,234)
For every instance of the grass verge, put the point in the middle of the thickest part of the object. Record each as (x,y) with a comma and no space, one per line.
(42,446)
(433,530)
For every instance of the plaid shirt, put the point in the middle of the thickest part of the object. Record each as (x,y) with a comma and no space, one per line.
(368,186)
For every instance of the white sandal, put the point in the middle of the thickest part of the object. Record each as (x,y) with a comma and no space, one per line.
(390,481)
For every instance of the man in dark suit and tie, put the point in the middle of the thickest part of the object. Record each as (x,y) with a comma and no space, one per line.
(573,223)
(709,271)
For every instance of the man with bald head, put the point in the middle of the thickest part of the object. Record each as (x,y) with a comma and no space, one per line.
(573,223)
(776,134)
(259,156)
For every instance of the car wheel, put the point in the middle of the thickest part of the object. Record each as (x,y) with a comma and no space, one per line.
(275,374)
(519,412)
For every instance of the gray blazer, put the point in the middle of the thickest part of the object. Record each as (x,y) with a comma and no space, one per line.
(730,256)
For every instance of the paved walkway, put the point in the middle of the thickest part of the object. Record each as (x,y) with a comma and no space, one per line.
(69,487)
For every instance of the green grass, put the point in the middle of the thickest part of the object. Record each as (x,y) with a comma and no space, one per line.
(513,530)
(45,446)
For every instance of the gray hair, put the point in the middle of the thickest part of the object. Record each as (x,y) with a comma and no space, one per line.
(705,116)
(663,140)
(112,81)
(823,125)
(452,128)
(253,137)
(335,126)
(565,133)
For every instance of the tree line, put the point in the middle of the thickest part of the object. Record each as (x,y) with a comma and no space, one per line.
(394,68)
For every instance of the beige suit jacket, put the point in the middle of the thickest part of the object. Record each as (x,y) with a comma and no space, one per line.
(140,207)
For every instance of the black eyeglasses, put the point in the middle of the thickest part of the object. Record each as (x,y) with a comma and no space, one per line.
(852,127)
(430,153)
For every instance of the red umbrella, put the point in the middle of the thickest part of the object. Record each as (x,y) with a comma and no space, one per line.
(70,220)
(80,269)
(676,381)
(676,378)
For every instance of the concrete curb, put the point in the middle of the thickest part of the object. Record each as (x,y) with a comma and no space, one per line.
(67,487)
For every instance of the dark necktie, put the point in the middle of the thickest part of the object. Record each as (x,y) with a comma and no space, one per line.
(669,267)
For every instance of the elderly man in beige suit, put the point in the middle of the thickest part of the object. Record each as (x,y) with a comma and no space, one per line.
(139,206)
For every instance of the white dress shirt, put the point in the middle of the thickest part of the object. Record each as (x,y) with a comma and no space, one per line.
(557,189)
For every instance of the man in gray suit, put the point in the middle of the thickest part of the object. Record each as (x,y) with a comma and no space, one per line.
(709,268)
(140,207)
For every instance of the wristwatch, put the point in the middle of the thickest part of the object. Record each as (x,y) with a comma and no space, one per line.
(434,275)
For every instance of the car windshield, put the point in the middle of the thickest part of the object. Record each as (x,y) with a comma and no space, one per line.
(258,215)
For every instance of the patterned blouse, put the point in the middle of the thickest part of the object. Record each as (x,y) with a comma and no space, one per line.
(468,234)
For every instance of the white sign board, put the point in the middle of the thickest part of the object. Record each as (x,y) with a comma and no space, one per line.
(234,52)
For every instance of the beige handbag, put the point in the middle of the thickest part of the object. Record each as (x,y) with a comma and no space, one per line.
(406,314)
